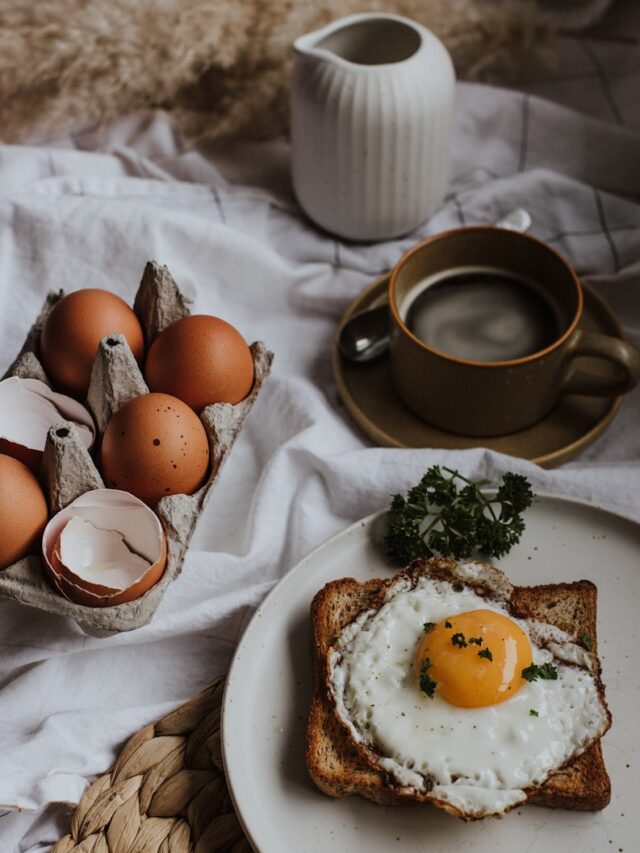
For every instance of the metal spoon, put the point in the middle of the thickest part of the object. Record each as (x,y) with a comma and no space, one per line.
(365,335)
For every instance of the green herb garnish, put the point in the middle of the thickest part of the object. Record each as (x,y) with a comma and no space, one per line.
(427,684)
(428,626)
(459,640)
(475,641)
(448,624)
(533,712)
(436,518)
(485,653)
(546,671)
(586,643)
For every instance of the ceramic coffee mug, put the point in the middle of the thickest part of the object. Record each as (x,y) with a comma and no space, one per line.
(485,337)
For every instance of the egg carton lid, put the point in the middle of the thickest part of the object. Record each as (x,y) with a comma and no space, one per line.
(68,470)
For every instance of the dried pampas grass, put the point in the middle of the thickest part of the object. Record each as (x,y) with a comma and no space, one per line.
(220,66)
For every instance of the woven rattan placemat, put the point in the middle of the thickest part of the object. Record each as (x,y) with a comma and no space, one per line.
(166,793)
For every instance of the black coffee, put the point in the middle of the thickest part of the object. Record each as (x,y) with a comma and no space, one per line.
(483,316)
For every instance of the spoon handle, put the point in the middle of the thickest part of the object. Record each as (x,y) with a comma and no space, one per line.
(516,220)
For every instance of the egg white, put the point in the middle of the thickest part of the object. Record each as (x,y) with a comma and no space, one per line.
(479,761)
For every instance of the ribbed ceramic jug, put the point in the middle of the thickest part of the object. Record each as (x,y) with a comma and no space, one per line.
(372,104)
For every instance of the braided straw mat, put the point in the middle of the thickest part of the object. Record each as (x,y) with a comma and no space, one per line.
(166,792)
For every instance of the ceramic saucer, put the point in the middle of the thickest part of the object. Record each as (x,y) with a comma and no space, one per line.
(369,396)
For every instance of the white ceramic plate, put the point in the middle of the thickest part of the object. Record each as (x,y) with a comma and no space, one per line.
(269,689)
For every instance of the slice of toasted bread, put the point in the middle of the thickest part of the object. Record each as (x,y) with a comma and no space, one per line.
(338,769)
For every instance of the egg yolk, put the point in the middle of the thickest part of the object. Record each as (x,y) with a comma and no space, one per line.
(473,659)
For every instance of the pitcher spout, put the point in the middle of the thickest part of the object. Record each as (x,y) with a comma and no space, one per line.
(306,46)
(366,39)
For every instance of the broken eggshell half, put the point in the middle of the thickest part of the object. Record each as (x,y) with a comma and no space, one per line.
(28,408)
(106,547)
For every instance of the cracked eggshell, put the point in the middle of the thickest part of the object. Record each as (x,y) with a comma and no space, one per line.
(102,529)
(28,409)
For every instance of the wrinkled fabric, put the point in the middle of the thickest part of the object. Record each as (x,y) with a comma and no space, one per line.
(91,211)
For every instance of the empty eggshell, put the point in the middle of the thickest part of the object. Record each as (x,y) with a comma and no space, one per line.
(28,409)
(97,555)
(107,547)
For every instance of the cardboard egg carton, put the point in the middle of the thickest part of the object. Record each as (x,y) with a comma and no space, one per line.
(68,469)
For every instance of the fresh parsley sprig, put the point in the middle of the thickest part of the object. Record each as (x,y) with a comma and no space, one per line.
(436,518)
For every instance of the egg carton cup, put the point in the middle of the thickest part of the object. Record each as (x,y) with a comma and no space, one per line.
(68,470)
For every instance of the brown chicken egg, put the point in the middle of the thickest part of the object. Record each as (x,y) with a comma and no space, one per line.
(73,330)
(201,360)
(23,511)
(155,446)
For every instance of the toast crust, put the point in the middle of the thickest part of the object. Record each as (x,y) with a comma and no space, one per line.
(339,768)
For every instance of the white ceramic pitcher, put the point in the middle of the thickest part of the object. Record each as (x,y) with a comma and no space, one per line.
(372,104)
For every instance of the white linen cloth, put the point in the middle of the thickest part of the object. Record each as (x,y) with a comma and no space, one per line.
(236,242)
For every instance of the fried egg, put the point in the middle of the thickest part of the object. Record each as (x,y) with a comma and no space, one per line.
(440,687)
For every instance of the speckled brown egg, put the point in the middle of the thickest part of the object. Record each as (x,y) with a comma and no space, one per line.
(201,360)
(23,511)
(155,446)
(73,330)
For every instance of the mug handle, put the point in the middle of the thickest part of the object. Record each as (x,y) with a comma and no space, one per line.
(614,350)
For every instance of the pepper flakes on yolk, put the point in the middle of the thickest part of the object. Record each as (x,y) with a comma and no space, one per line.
(475,658)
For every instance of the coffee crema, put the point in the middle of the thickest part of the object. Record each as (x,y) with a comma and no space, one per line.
(482,314)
